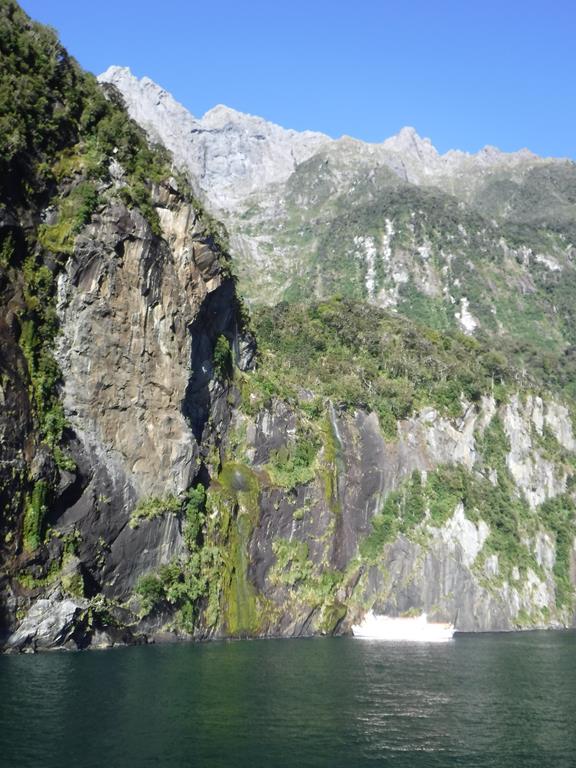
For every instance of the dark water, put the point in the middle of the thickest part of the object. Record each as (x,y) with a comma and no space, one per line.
(491,700)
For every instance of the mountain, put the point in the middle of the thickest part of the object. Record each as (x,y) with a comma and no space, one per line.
(482,243)
(229,155)
(175,466)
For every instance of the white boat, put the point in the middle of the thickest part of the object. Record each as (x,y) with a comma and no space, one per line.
(414,628)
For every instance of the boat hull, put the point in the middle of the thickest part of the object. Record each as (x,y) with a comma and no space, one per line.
(404,629)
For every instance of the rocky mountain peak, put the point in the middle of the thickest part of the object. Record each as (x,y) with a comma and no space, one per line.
(408,140)
(418,154)
(490,155)
(229,154)
(127,82)
(221,113)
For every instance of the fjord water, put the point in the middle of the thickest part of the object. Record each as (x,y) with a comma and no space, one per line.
(488,700)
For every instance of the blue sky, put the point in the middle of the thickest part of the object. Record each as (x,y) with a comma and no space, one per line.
(465,73)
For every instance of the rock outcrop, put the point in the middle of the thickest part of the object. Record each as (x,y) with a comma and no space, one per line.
(139,317)
(52,622)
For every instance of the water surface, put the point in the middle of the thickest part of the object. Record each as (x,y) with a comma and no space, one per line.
(488,700)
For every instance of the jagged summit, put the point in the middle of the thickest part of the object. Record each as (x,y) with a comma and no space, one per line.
(222,112)
(414,150)
(229,154)
(115,70)
(245,153)
(408,139)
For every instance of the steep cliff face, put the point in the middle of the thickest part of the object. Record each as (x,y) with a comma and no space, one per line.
(139,316)
(120,325)
(431,520)
(127,303)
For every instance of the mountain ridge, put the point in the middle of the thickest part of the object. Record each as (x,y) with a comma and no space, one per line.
(406,133)
(443,239)
(412,157)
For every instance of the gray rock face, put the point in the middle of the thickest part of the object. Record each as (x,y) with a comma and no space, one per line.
(536,475)
(126,301)
(228,154)
(139,551)
(444,569)
(139,316)
(52,622)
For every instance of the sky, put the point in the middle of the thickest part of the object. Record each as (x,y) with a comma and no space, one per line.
(465,74)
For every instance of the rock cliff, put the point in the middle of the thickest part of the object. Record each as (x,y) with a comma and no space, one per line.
(139,316)
(439,518)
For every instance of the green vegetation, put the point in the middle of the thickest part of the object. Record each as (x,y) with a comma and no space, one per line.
(361,356)
(214,573)
(56,122)
(185,581)
(239,603)
(37,575)
(292,562)
(559,517)
(40,575)
(332,461)
(538,204)
(151,591)
(39,328)
(493,445)
(240,484)
(6,250)
(180,584)
(222,358)
(73,582)
(50,576)
(400,513)
(74,213)
(146,509)
(195,516)
(235,504)
(432,312)
(294,464)
(552,450)
(307,583)
(35,512)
